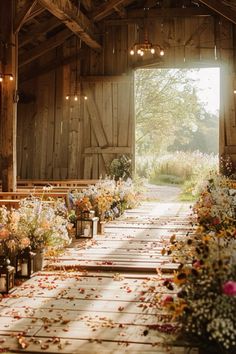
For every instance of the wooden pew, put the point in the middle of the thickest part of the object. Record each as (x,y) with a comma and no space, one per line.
(43,195)
(57,183)
(15,203)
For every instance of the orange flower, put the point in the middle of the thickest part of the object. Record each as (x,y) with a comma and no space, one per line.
(4,233)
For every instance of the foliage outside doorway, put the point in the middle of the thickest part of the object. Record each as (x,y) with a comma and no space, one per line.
(177,125)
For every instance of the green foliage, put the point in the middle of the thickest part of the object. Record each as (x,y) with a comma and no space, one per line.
(170,115)
(204,139)
(187,168)
(165,102)
(120,168)
(167,179)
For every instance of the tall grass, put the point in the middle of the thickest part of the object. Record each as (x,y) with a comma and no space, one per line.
(186,168)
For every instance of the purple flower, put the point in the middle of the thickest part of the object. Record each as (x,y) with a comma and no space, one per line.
(229,288)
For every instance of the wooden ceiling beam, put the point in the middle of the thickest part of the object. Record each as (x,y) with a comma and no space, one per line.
(137,16)
(223,10)
(105,9)
(169,12)
(28,75)
(75,20)
(87,4)
(23,13)
(38,30)
(121,11)
(44,47)
(37,10)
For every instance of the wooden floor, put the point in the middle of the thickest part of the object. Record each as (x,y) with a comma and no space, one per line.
(98,297)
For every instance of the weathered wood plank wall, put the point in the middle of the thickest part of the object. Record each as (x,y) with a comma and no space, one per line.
(49,127)
(108,117)
(79,139)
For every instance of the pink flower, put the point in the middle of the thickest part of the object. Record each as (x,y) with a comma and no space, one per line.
(216,221)
(167,299)
(197,264)
(229,288)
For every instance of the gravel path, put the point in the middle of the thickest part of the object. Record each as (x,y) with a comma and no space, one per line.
(162,193)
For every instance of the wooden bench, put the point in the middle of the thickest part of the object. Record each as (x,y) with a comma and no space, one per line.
(43,195)
(15,203)
(57,183)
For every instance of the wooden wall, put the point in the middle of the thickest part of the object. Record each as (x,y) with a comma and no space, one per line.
(49,127)
(67,139)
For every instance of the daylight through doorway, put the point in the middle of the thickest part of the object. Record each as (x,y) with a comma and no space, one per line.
(177,126)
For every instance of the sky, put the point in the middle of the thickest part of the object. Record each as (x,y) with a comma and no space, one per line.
(208,87)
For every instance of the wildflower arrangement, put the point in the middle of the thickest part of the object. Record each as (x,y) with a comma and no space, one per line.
(43,223)
(11,240)
(121,168)
(108,198)
(35,224)
(83,204)
(204,286)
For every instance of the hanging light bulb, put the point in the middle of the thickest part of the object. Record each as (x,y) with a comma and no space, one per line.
(67,97)
(153,50)
(11,77)
(162,52)
(131,51)
(141,53)
(85,98)
(1,78)
(76,98)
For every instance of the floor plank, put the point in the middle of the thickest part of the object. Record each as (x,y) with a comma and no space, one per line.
(96,298)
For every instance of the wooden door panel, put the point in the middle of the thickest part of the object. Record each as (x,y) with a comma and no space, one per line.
(110,111)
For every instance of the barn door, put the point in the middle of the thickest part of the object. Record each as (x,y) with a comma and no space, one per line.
(108,122)
(228,118)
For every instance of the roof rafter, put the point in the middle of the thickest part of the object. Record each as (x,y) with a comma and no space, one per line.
(87,4)
(168,12)
(38,30)
(221,9)
(36,10)
(44,47)
(136,16)
(121,11)
(23,13)
(105,9)
(75,20)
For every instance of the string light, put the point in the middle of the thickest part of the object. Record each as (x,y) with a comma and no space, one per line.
(77,93)
(2,77)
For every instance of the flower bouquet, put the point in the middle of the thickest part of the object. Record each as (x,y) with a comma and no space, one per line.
(204,298)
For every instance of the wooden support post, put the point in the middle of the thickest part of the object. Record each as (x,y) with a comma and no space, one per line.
(8,95)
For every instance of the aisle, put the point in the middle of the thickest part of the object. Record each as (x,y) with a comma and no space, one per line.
(99,298)
(133,242)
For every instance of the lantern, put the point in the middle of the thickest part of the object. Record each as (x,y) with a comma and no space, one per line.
(86,225)
(6,275)
(25,263)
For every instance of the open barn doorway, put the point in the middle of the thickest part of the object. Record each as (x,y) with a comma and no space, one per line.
(177,127)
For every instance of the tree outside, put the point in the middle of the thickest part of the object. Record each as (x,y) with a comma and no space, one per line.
(172,120)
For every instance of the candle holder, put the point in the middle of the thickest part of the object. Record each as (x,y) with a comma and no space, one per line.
(86,225)
(25,263)
(6,275)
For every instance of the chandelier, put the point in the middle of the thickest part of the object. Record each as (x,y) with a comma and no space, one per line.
(146,46)
(142,48)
